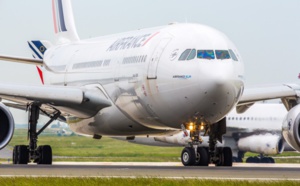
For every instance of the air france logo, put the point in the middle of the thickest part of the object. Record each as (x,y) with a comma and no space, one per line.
(131,42)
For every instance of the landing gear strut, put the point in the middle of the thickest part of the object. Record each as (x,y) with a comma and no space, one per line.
(202,156)
(23,154)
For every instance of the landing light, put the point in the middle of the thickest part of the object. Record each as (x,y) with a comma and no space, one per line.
(201,127)
(191,127)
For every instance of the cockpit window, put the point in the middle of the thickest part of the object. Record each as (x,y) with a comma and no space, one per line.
(222,54)
(192,55)
(184,55)
(233,56)
(205,54)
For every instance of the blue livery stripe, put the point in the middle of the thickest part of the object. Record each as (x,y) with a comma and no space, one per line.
(61,16)
(37,54)
(39,46)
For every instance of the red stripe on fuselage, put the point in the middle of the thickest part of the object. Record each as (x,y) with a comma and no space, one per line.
(41,74)
(150,38)
(54,16)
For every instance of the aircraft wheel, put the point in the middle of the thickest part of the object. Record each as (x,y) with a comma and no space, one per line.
(45,155)
(15,155)
(225,157)
(188,156)
(202,158)
(267,160)
(272,160)
(256,160)
(20,154)
(250,160)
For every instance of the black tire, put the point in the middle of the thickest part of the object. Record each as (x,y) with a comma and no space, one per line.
(45,155)
(272,160)
(20,154)
(256,160)
(250,160)
(188,156)
(203,159)
(14,155)
(227,157)
(221,158)
(266,160)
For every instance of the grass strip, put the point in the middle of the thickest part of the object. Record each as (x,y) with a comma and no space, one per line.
(50,181)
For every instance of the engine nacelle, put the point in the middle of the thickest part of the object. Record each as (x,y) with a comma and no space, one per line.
(268,144)
(7,126)
(291,128)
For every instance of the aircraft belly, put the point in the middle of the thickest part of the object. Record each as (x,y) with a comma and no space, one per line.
(111,121)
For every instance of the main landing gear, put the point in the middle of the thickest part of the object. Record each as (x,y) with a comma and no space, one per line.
(194,155)
(23,154)
(260,159)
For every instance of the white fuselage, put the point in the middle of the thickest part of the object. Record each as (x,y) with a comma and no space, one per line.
(151,90)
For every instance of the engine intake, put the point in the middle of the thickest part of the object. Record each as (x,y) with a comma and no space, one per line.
(7,126)
(291,128)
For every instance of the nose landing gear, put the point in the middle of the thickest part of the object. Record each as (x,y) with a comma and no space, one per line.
(194,155)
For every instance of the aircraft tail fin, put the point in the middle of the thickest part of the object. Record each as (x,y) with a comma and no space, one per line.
(38,48)
(64,25)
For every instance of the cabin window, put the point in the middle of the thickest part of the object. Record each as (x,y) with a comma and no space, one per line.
(184,55)
(222,54)
(205,54)
(233,56)
(192,55)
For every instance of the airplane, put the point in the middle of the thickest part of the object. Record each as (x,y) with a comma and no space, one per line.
(258,130)
(150,81)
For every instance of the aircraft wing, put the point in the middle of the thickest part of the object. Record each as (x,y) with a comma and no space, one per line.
(21,60)
(81,102)
(288,93)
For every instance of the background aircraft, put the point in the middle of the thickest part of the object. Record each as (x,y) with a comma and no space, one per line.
(145,82)
(258,130)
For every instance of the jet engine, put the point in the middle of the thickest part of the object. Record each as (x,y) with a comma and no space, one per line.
(267,143)
(7,126)
(291,128)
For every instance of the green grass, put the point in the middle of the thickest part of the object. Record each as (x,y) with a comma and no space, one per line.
(87,149)
(79,148)
(285,154)
(138,181)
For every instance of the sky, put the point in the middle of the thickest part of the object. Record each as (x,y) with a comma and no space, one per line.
(266,33)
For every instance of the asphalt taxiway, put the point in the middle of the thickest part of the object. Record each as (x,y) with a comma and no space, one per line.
(161,170)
